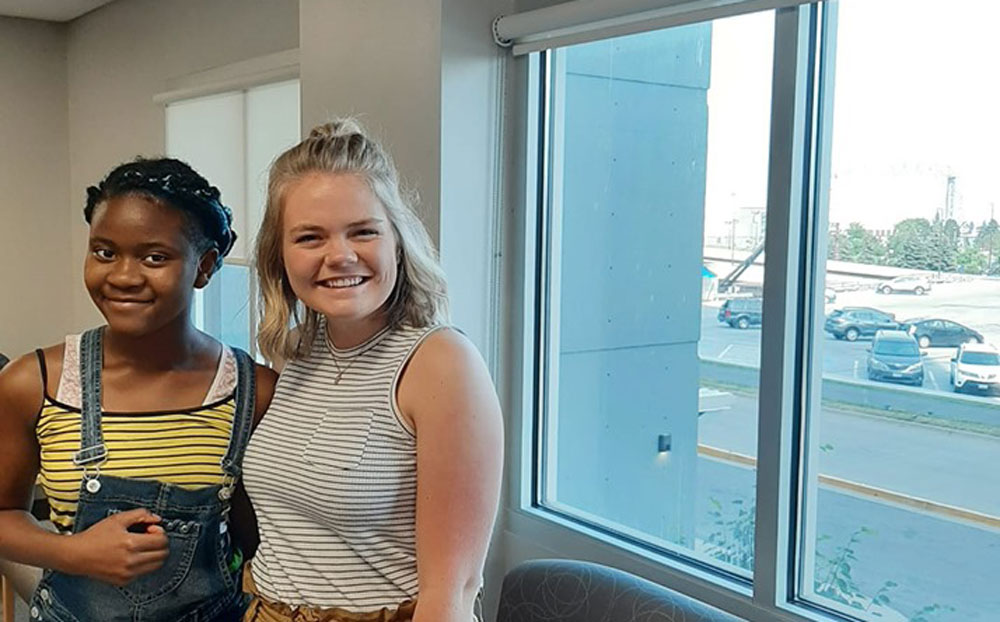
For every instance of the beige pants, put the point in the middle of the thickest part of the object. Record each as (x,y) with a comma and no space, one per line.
(263,610)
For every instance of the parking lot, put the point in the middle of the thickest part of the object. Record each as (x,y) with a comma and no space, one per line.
(973,303)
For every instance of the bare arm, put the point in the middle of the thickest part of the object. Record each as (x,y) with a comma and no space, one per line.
(447,393)
(106,551)
(21,539)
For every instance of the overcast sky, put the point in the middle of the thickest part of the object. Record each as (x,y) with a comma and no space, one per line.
(916,100)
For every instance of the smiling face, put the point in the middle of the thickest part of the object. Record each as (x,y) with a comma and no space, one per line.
(142,267)
(339,252)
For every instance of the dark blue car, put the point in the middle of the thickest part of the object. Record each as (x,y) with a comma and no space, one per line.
(935,332)
(895,357)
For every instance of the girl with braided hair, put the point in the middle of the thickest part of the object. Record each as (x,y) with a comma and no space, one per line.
(135,430)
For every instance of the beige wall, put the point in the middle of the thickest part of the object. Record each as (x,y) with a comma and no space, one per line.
(123,54)
(36,270)
(380,60)
(425,76)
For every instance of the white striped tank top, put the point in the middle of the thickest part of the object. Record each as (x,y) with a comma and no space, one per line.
(332,473)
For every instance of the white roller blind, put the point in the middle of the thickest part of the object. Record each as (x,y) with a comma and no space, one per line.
(580,21)
(272,114)
(208,133)
(231,138)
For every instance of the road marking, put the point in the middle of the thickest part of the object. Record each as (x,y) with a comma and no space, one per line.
(934,382)
(725,352)
(710,392)
(873,492)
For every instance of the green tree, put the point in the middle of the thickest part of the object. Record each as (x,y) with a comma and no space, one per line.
(906,245)
(971,260)
(921,245)
(859,245)
(988,241)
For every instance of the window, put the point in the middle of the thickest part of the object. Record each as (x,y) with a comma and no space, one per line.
(653,339)
(898,468)
(231,138)
(796,424)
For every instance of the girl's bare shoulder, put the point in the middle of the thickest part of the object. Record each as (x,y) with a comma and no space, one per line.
(21,385)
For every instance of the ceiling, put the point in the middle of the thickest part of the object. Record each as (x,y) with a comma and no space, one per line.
(49,10)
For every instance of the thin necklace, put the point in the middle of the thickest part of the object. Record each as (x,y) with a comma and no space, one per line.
(342,370)
(363,347)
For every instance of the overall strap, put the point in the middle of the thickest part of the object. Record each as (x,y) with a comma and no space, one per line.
(92,448)
(246,399)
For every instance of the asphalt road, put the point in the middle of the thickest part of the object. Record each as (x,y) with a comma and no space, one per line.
(946,466)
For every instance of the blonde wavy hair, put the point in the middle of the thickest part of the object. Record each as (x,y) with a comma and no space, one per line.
(419,297)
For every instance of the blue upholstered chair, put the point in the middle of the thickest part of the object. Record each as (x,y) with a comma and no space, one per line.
(549,590)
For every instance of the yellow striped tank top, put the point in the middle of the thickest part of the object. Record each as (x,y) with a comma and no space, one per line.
(182,447)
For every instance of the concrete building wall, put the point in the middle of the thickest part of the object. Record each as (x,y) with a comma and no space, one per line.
(632,212)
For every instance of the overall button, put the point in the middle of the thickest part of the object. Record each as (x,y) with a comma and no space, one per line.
(35,613)
(185,527)
(93,486)
(44,593)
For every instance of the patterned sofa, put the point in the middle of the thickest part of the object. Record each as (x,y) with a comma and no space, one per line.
(551,590)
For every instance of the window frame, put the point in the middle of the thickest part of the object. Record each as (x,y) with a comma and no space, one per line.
(797,211)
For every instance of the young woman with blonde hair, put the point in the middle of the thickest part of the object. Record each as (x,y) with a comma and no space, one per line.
(375,472)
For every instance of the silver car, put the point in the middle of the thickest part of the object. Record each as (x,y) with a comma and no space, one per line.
(914,284)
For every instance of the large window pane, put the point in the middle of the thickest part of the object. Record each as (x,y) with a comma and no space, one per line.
(653,285)
(902,503)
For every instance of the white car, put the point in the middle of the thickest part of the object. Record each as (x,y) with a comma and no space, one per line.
(915,284)
(976,367)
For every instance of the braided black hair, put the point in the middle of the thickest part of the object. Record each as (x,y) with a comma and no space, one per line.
(176,184)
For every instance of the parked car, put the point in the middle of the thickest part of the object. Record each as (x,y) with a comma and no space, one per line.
(851,323)
(934,332)
(742,312)
(975,367)
(895,357)
(914,284)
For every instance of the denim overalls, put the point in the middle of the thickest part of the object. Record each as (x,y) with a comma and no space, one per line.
(196,582)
